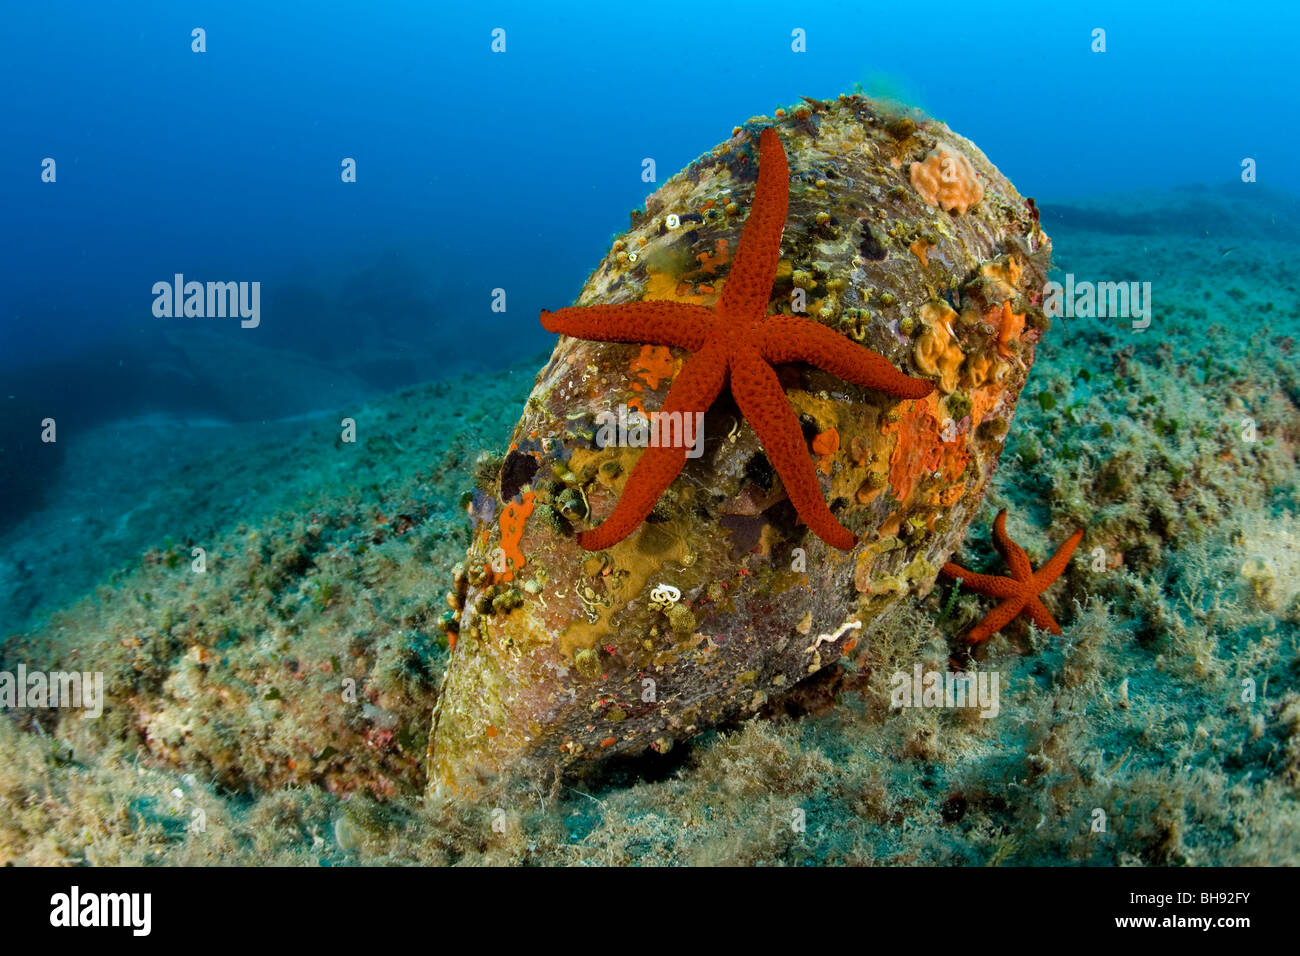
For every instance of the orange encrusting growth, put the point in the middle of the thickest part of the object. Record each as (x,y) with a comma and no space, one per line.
(1009,325)
(513,518)
(923,450)
(710,262)
(918,451)
(947,179)
(652,366)
(1019,592)
(921,249)
(736,340)
(824,446)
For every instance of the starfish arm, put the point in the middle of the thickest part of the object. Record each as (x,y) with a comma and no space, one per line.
(763,403)
(996,620)
(1011,552)
(1040,615)
(1057,563)
(748,286)
(794,339)
(645,323)
(693,390)
(992,585)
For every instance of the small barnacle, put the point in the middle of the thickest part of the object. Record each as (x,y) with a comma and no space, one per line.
(959,404)
(483,603)
(915,529)
(875,481)
(587,661)
(552,518)
(680,619)
(507,601)
(572,503)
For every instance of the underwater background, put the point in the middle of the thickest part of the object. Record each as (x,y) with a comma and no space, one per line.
(1164,158)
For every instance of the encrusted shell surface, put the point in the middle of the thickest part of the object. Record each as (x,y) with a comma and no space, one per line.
(722,599)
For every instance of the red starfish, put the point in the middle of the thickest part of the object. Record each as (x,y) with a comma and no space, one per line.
(1019,593)
(736,340)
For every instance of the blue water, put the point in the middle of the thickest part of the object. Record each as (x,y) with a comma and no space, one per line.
(479,171)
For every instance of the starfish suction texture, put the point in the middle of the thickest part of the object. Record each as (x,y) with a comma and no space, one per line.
(736,341)
(1019,593)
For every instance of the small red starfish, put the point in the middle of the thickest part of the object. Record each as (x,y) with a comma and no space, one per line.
(1019,592)
(736,340)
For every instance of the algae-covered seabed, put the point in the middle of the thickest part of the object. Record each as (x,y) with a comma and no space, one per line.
(227,738)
